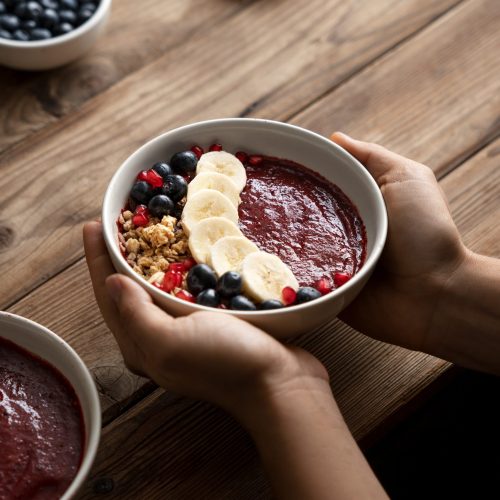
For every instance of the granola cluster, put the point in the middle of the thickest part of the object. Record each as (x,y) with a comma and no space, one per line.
(150,249)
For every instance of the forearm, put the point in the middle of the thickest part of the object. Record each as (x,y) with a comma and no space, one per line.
(307,449)
(466,324)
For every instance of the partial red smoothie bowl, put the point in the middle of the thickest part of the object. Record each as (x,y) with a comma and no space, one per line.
(49,413)
(264,220)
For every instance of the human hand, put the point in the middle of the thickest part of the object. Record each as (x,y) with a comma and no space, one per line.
(207,355)
(422,253)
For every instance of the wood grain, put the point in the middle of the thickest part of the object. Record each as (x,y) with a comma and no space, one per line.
(435,99)
(168,436)
(76,156)
(138,33)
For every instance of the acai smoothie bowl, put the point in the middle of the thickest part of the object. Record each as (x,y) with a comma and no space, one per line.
(260,219)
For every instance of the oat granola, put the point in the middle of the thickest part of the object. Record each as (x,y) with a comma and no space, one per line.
(150,249)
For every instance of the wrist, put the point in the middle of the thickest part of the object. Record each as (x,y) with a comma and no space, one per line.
(444,290)
(467,319)
(272,403)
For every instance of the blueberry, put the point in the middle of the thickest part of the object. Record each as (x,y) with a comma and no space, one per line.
(163,169)
(132,204)
(40,34)
(9,22)
(175,187)
(67,16)
(88,6)
(307,293)
(49,18)
(21,35)
(84,15)
(178,212)
(141,192)
(229,284)
(241,303)
(28,24)
(200,277)
(2,8)
(33,11)
(64,28)
(160,205)
(20,9)
(69,4)
(270,304)
(5,34)
(184,162)
(49,4)
(208,297)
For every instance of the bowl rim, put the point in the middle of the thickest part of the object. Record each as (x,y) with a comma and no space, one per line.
(368,265)
(93,432)
(60,39)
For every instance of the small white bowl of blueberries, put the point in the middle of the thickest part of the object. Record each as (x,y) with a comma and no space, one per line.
(45,34)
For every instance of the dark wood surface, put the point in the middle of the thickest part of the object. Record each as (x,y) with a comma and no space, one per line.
(418,76)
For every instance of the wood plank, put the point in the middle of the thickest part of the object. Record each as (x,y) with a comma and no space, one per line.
(435,99)
(176,439)
(67,164)
(138,33)
(211,455)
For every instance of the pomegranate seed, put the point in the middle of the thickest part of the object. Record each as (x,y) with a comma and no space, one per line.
(222,306)
(171,280)
(243,157)
(216,147)
(255,160)
(289,295)
(141,209)
(184,295)
(154,178)
(140,220)
(188,263)
(177,267)
(340,279)
(197,151)
(323,286)
(142,176)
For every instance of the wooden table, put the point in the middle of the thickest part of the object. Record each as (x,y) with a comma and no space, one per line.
(419,76)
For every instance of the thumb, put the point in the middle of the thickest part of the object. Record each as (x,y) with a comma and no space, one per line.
(384,165)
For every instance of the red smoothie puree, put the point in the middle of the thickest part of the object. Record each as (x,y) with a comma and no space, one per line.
(41,427)
(295,213)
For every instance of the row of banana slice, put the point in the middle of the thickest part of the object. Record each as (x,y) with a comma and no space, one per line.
(210,219)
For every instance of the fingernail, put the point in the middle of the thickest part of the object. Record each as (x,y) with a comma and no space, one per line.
(338,135)
(343,134)
(114,287)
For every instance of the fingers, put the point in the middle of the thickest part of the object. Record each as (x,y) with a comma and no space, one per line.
(100,267)
(142,322)
(384,165)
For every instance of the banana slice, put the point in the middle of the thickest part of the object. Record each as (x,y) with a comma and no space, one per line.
(204,204)
(219,182)
(226,164)
(265,275)
(227,254)
(206,233)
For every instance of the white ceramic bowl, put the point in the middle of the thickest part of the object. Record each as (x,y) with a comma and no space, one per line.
(47,54)
(268,138)
(47,345)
